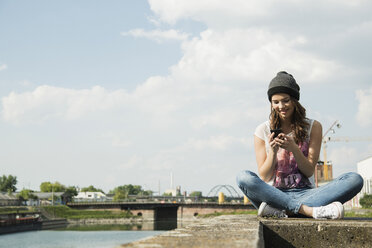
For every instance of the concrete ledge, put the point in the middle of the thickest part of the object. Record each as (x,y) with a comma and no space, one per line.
(317,233)
(222,231)
(53,224)
(34,226)
(250,231)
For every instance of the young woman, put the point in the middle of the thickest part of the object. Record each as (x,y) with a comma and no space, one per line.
(287,150)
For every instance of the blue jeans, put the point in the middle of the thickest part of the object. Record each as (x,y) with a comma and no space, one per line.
(341,189)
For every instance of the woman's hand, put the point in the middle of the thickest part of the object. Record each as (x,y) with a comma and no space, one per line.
(274,144)
(286,142)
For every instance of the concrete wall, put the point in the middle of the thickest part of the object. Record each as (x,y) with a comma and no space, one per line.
(185,212)
(365,167)
(156,211)
(148,214)
(365,170)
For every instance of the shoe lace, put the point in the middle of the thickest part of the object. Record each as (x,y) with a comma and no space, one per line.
(276,213)
(280,214)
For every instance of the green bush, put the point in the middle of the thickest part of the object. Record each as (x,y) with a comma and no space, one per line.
(366,201)
(10,210)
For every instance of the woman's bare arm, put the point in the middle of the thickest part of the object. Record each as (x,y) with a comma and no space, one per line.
(265,162)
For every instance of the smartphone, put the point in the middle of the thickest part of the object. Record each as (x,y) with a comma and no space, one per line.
(276,132)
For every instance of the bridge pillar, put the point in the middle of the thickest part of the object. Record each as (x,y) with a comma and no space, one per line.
(165,218)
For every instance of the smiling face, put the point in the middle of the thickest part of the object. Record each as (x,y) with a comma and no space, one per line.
(283,105)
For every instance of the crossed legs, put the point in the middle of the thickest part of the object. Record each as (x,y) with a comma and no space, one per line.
(299,201)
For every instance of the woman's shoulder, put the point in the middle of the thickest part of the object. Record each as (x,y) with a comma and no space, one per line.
(314,123)
(262,130)
(264,126)
(315,126)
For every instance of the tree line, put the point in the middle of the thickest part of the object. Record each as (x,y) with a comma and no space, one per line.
(8,184)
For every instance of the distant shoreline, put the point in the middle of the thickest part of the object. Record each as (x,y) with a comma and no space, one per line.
(107,221)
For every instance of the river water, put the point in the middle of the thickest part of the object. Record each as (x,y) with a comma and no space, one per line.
(72,239)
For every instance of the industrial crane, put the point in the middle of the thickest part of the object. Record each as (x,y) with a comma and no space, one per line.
(347,139)
(327,139)
(324,141)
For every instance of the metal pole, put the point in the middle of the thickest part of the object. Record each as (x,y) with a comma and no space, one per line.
(52,195)
(325,164)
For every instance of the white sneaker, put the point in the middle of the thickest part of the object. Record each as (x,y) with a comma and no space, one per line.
(266,210)
(335,210)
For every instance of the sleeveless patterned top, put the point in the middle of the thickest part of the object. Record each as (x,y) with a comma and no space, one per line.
(287,174)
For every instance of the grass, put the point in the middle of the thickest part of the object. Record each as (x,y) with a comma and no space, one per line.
(12,210)
(69,213)
(367,214)
(228,213)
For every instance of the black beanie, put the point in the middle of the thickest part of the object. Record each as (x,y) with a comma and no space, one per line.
(284,83)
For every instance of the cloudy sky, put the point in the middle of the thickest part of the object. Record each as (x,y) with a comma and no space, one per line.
(107,93)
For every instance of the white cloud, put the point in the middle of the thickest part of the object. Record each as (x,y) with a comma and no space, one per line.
(228,117)
(208,105)
(344,157)
(221,67)
(220,142)
(249,56)
(171,11)
(117,140)
(47,102)
(219,13)
(344,37)
(160,95)
(178,156)
(3,67)
(364,114)
(158,35)
(154,21)
(25,83)
(134,161)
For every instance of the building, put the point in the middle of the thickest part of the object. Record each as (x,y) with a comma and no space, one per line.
(173,192)
(8,199)
(48,198)
(90,196)
(365,170)
(324,173)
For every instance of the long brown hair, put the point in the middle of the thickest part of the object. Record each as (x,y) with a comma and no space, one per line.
(299,122)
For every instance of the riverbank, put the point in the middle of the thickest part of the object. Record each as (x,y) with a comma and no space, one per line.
(51,218)
(218,232)
(252,231)
(31,224)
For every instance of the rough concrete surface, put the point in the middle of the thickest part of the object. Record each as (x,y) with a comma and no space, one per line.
(223,231)
(250,231)
(294,232)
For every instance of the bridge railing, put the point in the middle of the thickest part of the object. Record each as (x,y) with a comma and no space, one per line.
(162,199)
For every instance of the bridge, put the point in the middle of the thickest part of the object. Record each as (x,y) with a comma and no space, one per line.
(163,214)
